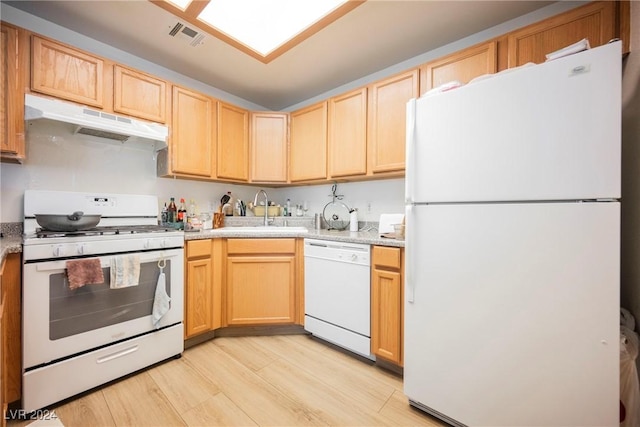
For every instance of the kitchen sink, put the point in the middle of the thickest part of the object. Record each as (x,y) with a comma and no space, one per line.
(261,229)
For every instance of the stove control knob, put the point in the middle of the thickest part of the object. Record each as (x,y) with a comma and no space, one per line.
(81,248)
(58,250)
(147,244)
(163,243)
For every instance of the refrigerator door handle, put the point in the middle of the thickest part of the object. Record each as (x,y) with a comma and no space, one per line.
(410,288)
(410,148)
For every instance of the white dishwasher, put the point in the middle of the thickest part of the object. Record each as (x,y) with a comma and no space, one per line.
(337,278)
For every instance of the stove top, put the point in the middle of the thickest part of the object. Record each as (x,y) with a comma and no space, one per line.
(128,224)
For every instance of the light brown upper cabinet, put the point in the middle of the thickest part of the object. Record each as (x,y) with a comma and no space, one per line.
(66,73)
(595,21)
(139,95)
(462,66)
(193,133)
(269,147)
(12,146)
(387,121)
(308,145)
(348,134)
(233,143)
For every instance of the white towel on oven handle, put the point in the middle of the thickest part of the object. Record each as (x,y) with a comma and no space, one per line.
(125,271)
(161,301)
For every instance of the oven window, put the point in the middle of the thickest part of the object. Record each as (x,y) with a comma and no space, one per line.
(92,307)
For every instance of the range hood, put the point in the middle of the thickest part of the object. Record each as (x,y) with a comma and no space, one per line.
(96,123)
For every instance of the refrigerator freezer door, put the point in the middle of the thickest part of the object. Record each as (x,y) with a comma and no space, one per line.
(515,320)
(545,132)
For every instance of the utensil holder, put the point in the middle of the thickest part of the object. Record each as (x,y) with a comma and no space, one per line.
(218,220)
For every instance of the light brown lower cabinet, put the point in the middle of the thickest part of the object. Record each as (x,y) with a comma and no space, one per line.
(11,354)
(262,282)
(387,295)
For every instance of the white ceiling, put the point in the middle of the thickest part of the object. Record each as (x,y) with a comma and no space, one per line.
(374,36)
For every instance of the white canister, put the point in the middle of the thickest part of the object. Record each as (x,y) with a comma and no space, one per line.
(353,220)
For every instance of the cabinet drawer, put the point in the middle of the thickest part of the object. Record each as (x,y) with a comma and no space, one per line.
(386,257)
(261,246)
(198,248)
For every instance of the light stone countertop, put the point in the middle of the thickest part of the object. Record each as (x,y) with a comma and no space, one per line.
(11,240)
(365,237)
(10,244)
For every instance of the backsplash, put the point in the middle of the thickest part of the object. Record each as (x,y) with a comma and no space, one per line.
(57,160)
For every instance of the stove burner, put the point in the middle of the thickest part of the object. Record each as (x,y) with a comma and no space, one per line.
(100,231)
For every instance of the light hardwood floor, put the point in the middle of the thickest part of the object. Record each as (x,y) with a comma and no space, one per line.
(283,380)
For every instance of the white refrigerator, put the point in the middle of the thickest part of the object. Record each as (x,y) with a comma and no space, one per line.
(513,246)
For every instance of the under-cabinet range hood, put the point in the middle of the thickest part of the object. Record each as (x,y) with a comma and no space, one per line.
(96,123)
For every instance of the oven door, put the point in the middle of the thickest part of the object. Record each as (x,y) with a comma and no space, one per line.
(59,322)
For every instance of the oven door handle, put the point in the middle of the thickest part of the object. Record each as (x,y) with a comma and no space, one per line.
(57,265)
(105,260)
(117,355)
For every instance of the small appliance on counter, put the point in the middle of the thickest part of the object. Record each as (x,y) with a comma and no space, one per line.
(386,225)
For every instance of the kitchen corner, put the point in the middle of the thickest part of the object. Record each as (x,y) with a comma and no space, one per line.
(368,233)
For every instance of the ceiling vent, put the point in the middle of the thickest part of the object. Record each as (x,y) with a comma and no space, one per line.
(188,34)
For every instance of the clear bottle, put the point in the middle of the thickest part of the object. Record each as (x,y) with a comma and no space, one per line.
(164,217)
(172,211)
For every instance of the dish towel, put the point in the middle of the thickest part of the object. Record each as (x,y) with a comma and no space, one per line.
(161,302)
(82,272)
(125,271)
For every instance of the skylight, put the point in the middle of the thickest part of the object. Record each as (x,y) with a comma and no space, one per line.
(264,29)
(182,4)
(265,25)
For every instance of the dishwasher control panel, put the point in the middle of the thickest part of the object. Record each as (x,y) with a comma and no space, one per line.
(353,253)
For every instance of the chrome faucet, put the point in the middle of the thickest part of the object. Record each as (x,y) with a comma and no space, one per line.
(266,205)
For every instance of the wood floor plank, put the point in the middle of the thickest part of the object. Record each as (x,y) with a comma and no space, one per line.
(398,411)
(183,386)
(245,350)
(138,401)
(390,378)
(218,410)
(330,404)
(259,399)
(90,410)
(351,375)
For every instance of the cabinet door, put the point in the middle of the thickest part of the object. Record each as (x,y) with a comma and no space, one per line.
(595,21)
(260,290)
(269,147)
(308,149)
(199,297)
(11,275)
(11,97)
(192,132)
(462,66)
(386,303)
(66,73)
(388,121)
(139,95)
(233,143)
(348,134)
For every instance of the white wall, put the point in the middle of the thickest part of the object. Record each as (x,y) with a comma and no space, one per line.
(630,269)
